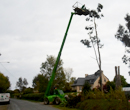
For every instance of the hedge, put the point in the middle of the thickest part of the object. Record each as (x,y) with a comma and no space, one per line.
(34,96)
(103,104)
(96,100)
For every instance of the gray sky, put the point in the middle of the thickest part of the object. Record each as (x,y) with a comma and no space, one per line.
(32,29)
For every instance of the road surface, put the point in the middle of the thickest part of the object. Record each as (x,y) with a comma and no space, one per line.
(16,104)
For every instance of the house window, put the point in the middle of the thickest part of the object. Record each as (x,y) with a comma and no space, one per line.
(104,80)
(80,88)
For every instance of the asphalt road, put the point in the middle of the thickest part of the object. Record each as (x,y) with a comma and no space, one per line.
(16,104)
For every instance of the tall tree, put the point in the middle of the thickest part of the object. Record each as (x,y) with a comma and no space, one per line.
(40,82)
(21,84)
(4,83)
(93,36)
(68,83)
(72,79)
(47,68)
(68,72)
(123,34)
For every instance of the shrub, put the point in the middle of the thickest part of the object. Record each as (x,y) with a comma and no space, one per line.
(96,94)
(28,90)
(102,104)
(86,87)
(73,100)
(108,85)
(117,94)
(16,95)
(34,96)
(96,100)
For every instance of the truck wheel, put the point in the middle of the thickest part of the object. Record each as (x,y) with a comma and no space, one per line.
(46,101)
(57,101)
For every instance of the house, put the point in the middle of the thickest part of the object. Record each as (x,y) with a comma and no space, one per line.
(92,79)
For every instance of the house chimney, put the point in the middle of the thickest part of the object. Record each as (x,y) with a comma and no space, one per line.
(86,75)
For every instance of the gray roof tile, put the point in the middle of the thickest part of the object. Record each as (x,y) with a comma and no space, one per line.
(89,78)
(79,82)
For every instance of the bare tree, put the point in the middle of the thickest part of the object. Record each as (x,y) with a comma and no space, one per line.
(21,83)
(93,37)
(68,72)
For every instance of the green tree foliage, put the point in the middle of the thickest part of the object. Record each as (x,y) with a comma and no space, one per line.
(72,79)
(128,85)
(123,34)
(109,85)
(96,100)
(40,82)
(67,87)
(123,81)
(34,96)
(16,91)
(4,83)
(28,90)
(21,84)
(86,87)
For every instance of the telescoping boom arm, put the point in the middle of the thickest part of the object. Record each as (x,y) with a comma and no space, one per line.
(78,11)
(58,59)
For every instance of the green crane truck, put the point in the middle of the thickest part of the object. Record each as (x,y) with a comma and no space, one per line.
(59,95)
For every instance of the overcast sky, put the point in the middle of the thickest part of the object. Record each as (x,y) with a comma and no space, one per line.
(32,29)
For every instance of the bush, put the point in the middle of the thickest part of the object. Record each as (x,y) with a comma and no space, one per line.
(96,100)
(102,104)
(96,94)
(86,87)
(34,96)
(16,95)
(109,85)
(117,94)
(28,90)
(73,100)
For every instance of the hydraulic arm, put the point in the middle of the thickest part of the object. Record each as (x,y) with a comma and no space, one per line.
(78,11)
(58,59)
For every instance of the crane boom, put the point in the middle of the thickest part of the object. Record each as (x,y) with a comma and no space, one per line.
(58,59)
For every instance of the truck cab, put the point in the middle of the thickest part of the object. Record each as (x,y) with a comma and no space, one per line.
(56,98)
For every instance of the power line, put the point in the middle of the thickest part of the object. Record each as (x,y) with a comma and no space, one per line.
(7,70)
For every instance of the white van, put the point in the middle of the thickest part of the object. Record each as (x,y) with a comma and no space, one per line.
(5,97)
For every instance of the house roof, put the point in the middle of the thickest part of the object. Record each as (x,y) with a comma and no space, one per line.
(79,82)
(89,78)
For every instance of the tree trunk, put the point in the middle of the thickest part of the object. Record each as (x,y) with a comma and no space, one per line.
(99,55)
